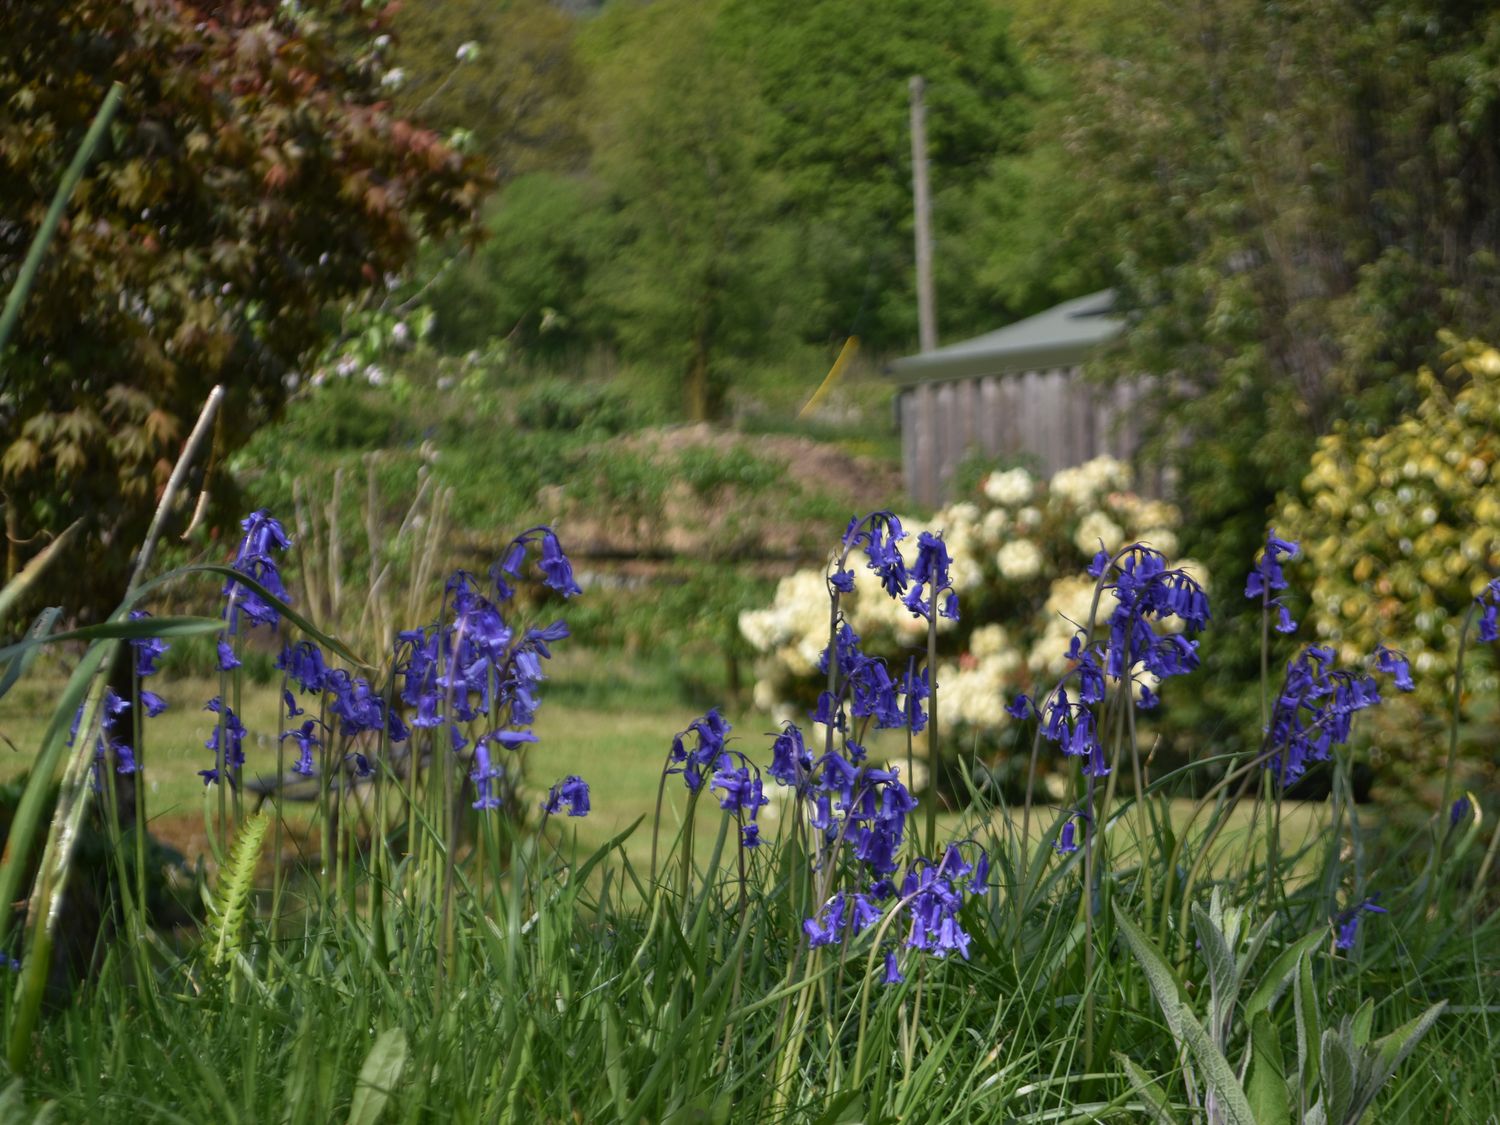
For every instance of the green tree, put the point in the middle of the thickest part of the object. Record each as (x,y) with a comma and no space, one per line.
(505,73)
(1293,198)
(695,273)
(833,76)
(252,177)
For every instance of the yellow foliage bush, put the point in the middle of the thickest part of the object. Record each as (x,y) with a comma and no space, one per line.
(1402,528)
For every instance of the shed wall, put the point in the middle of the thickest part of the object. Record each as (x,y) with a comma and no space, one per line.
(1048,419)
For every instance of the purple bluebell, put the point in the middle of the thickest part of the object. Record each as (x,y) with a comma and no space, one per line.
(1393,663)
(842,581)
(1488,600)
(148,650)
(1266,576)
(227,660)
(485,775)
(930,572)
(229,753)
(1019,707)
(1067,842)
(304,666)
(306,738)
(1347,923)
(790,760)
(892,969)
(557,571)
(263,534)
(879,533)
(1314,711)
(709,754)
(573,792)
(1459,811)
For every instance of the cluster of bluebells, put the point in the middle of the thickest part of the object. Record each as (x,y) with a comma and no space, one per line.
(253,558)
(148,652)
(865,684)
(1147,593)
(470,677)
(106,742)
(1266,579)
(710,761)
(1314,711)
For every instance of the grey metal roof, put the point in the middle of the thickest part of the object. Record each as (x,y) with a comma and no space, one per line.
(1060,337)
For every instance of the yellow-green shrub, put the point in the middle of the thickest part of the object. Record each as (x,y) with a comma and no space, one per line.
(1402,528)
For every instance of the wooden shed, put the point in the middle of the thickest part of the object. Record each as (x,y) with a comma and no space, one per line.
(1017,394)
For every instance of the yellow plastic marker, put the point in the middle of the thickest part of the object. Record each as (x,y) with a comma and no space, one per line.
(851,345)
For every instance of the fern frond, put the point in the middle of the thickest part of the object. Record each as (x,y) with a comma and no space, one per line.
(233,892)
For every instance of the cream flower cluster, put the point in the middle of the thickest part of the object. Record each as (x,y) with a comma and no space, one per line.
(1020,547)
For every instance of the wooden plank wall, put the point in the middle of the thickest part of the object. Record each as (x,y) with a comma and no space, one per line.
(1046,419)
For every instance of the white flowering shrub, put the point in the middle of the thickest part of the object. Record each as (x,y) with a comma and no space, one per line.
(1020,547)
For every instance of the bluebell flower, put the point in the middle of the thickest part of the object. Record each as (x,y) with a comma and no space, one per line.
(1314,711)
(227,659)
(1489,621)
(557,571)
(790,760)
(304,666)
(1393,663)
(1459,811)
(1019,707)
(148,650)
(263,534)
(709,754)
(485,775)
(842,581)
(306,737)
(878,533)
(230,752)
(573,792)
(892,969)
(1347,923)
(930,572)
(1067,842)
(1266,576)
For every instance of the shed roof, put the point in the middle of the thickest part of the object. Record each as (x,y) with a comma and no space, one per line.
(1060,337)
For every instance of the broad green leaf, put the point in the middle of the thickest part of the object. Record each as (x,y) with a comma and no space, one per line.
(1222,976)
(1279,974)
(1217,1074)
(1391,1051)
(1309,1029)
(1266,1086)
(378,1077)
(1152,1095)
(1338,1077)
(1359,1026)
(1159,975)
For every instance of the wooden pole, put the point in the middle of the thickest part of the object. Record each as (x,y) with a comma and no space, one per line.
(922,201)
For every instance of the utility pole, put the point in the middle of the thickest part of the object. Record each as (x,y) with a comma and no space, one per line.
(922,201)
